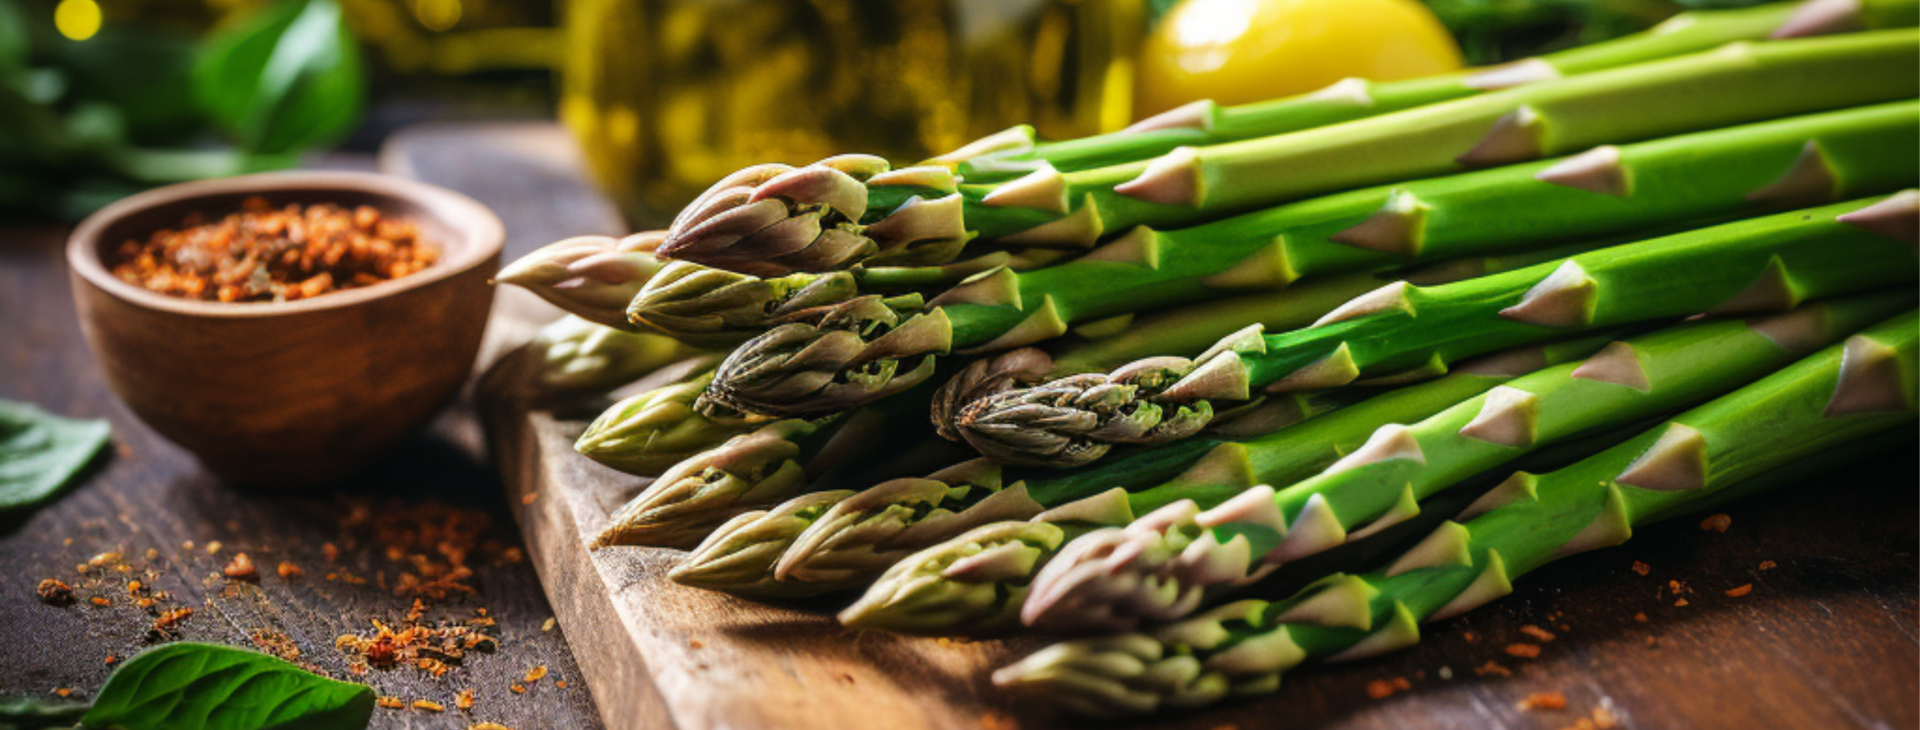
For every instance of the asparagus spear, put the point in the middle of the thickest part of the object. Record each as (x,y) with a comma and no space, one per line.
(1840,395)
(1403,331)
(1114,578)
(979,579)
(1012,153)
(833,357)
(574,354)
(817,217)
(593,277)
(772,463)
(647,433)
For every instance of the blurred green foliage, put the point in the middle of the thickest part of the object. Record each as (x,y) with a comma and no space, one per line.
(83,122)
(1491,31)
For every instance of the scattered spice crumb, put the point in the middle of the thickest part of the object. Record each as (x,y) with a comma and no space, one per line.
(1538,633)
(547,625)
(68,541)
(212,547)
(1653,641)
(518,688)
(1492,667)
(165,625)
(1470,637)
(111,659)
(391,703)
(1682,603)
(106,558)
(695,643)
(488,726)
(64,692)
(53,592)
(1716,523)
(997,721)
(152,553)
(511,556)
(188,545)
(1740,591)
(1642,568)
(289,571)
(529,497)
(240,568)
(275,643)
(100,601)
(1543,701)
(1602,719)
(464,700)
(331,551)
(428,705)
(1640,617)
(1381,689)
(561,683)
(1524,651)
(1768,565)
(536,673)
(1445,673)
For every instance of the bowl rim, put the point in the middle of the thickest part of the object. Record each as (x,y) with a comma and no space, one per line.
(484,233)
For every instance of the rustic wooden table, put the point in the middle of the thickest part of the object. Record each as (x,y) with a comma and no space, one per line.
(1826,639)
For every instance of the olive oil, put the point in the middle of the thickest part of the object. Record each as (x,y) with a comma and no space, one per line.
(667,96)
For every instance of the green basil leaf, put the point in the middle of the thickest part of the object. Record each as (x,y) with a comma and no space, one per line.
(286,79)
(187,685)
(33,713)
(40,452)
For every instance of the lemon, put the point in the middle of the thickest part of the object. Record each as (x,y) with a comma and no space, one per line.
(1239,51)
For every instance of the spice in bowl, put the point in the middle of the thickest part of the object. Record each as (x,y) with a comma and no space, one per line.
(268,254)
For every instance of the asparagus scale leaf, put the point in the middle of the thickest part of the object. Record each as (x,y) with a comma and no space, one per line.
(187,684)
(803,368)
(1402,331)
(1115,578)
(574,354)
(1840,395)
(853,208)
(649,432)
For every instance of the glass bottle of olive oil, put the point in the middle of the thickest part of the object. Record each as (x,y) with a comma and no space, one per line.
(667,96)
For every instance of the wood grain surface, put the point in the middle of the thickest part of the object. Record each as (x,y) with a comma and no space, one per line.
(148,494)
(1825,639)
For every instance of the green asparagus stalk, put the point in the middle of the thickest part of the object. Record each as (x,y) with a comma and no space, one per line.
(574,354)
(1115,578)
(979,579)
(770,464)
(817,217)
(1838,396)
(1014,152)
(865,348)
(593,277)
(1403,331)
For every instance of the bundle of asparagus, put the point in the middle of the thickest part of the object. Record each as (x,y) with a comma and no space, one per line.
(1167,361)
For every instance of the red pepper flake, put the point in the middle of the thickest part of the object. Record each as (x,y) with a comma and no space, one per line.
(1381,689)
(111,659)
(1640,617)
(1523,651)
(100,601)
(997,721)
(1768,565)
(1469,637)
(107,558)
(1543,701)
(1538,633)
(428,705)
(331,551)
(64,692)
(547,625)
(1682,603)
(561,683)
(391,703)
(695,643)
(167,623)
(53,592)
(152,555)
(241,568)
(289,571)
(1740,591)
(1642,568)
(266,254)
(1716,523)
(212,547)
(518,688)
(464,700)
(488,726)
(1492,667)
(536,673)
(529,497)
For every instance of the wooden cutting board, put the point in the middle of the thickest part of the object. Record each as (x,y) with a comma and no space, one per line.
(1825,639)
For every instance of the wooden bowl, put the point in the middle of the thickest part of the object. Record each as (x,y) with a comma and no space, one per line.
(293,393)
